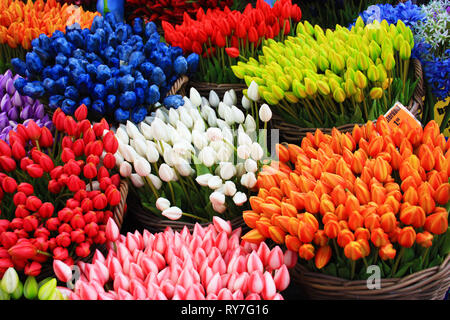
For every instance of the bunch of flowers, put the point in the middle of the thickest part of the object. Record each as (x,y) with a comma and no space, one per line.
(15,108)
(171,10)
(221,36)
(211,263)
(115,69)
(323,79)
(86,4)
(56,191)
(22,22)
(375,196)
(12,287)
(194,159)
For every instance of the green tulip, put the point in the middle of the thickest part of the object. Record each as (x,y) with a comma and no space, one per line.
(339,95)
(47,289)
(299,89)
(290,97)
(386,83)
(362,61)
(278,93)
(333,84)
(376,93)
(10,280)
(253,61)
(323,63)
(401,26)
(337,63)
(17,294)
(397,41)
(30,289)
(329,34)
(300,30)
(4,295)
(297,74)
(310,86)
(309,28)
(382,74)
(405,50)
(360,80)
(323,88)
(359,23)
(238,71)
(269,97)
(372,73)
(248,80)
(359,95)
(374,50)
(351,63)
(283,83)
(389,62)
(349,87)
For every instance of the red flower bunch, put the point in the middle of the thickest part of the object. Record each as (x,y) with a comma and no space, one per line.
(169,10)
(219,36)
(50,207)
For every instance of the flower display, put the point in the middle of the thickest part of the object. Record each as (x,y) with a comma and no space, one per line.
(22,22)
(15,109)
(376,196)
(221,36)
(193,159)
(57,191)
(171,10)
(211,263)
(117,70)
(322,79)
(12,288)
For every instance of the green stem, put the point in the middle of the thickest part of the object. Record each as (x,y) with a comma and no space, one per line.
(185,190)
(336,248)
(44,253)
(397,261)
(194,216)
(171,191)
(353,269)
(149,182)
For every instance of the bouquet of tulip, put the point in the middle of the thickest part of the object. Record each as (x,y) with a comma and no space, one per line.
(323,79)
(212,263)
(375,196)
(12,287)
(221,36)
(15,108)
(56,191)
(170,10)
(22,22)
(201,165)
(116,70)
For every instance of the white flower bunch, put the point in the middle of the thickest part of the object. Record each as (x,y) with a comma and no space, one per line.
(197,160)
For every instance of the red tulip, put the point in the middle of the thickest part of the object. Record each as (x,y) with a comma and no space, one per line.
(81,112)
(62,271)
(35,170)
(46,138)
(83,250)
(33,130)
(232,52)
(406,237)
(33,269)
(60,253)
(23,250)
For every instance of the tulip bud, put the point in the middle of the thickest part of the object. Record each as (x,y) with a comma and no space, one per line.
(47,289)
(265,114)
(406,237)
(10,281)
(30,289)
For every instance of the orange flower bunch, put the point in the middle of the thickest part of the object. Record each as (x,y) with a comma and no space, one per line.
(20,23)
(362,195)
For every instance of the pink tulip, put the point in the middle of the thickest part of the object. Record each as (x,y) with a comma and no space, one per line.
(238,295)
(211,296)
(82,266)
(112,231)
(114,267)
(158,259)
(231,280)
(136,271)
(74,296)
(104,296)
(175,272)
(98,256)
(185,234)
(163,274)
(179,292)
(160,244)
(275,258)
(185,278)
(198,231)
(277,296)
(126,263)
(282,278)
(195,244)
(148,265)
(222,225)
(219,265)
(256,282)
(159,295)
(263,253)
(222,242)
(241,282)
(224,279)
(207,244)
(121,281)
(214,284)
(87,292)
(290,258)
(97,286)
(66,292)
(254,263)
(253,296)
(270,289)
(148,238)
(151,289)
(241,264)
(212,255)
(139,240)
(139,292)
(225,294)
(93,275)
(167,288)
(233,241)
(62,271)
(124,295)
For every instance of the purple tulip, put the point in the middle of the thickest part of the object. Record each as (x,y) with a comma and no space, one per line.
(39,111)
(26,112)
(6,130)
(45,118)
(17,99)
(10,86)
(3,81)
(3,120)
(13,114)
(27,100)
(5,103)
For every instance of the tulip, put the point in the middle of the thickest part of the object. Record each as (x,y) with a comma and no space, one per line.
(172,213)
(252,92)
(265,114)
(30,288)
(162,204)
(437,222)
(10,281)
(406,237)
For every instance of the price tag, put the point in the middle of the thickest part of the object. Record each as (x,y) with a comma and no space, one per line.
(398,114)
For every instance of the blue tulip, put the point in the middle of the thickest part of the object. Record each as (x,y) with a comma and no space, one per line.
(101,33)
(158,76)
(68,106)
(91,69)
(57,72)
(99,92)
(97,23)
(115,62)
(127,100)
(86,101)
(71,93)
(139,115)
(61,84)
(61,59)
(33,89)
(43,55)
(166,64)
(173,101)
(19,66)
(147,69)
(192,61)
(150,28)
(33,62)
(98,106)
(121,115)
(126,83)
(111,102)
(103,73)
(82,82)
(78,53)
(55,101)
(49,85)
(112,40)
(75,38)
(110,18)
(140,96)
(138,26)
(122,33)
(175,52)
(141,83)
(62,45)
(153,95)
(112,85)
(92,43)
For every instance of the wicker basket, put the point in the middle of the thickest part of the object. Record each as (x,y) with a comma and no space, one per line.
(118,216)
(205,87)
(292,133)
(428,284)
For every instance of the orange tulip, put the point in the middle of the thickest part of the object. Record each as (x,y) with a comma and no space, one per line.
(305,232)
(312,202)
(320,238)
(431,130)
(341,213)
(425,239)
(375,146)
(378,194)
(426,200)
(343,169)
(415,135)
(406,148)
(287,186)
(364,145)
(387,252)
(326,205)
(357,133)
(362,233)
(282,152)
(268,209)
(372,221)
(292,242)
(361,191)
(381,169)
(437,222)
(277,234)
(323,256)
(316,168)
(282,222)
(330,165)
(413,215)
(293,226)
(407,237)
(353,251)
(388,222)
(393,236)
(276,193)
(359,159)
(344,237)
(263,193)
(366,175)
(348,142)
(253,236)
(369,128)
(378,237)
(250,218)
(288,210)
(331,229)
(332,180)
(343,225)
(306,251)
(338,195)
(298,199)
(442,194)
(329,216)
(294,152)
(351,204)
(411,196)
(427,160)
(255,203)
(262,225)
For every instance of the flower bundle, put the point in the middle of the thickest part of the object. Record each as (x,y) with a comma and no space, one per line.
(116,70)
(322,79)
(15,108)
(12,288)
(375,196)
(221,36)
(194,159)
(210,263)
(56,190)
(170,10)
(22,22)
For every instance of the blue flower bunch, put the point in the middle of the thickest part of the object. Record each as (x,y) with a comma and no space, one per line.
(117,70)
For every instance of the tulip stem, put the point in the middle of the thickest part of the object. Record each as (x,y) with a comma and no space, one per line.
(44,253)
(152,187)
(185,190)
(37,145)
(353,270)
(336,248)
(171,191)
(194,216)
(397,261)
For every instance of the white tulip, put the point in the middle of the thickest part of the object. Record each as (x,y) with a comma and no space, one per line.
(212,119)
(203,179)
(250,165)
(156,181)
(238,115)
(219,208)
(229,116)
(250,124)
(162,204)
(169,156)
(183,167)
(207,156)
(172,213)
(248,180)
(205,102)
(140,146)
(142,167)
(129,153)
(215,182)
(186,118)
(217,198)
(132,130)
(243,152)
(244,139)
(214,134)
(95,186)
(146,130)
(199,139)
(213,99)
(187,102)
(240,198)
(227,99)
(222,124)
(227,170)
(174,136)
(137,180)
(122,135)
(161,114)
(205,110)
(233,96)
(183,149)
(119,158)
(221,109)
(183,131)
(252,92)
(173,116)
(265,114)
(125,169)
(216,145)
(149,119)
(199,125)
(256,151)
(224,153)
(240,169)
(246,104)
(159,130)
(195,114)
(227,135)
(195,97)
(166,173)
(161,146)
(151,153)
(229,188)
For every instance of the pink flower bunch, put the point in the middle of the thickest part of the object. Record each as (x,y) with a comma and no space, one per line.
(209,263)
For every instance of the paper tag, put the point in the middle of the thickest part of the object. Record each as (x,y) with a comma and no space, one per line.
(398,114)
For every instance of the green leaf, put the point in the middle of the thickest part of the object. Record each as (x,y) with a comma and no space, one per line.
(372,111)
(330,269)
(386,268)
(417,264)
(200,168)
(151,208)
(445,248)
(436,262)
(403,270)
(408,255)
(179,194)
(357,116)
(344,273)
